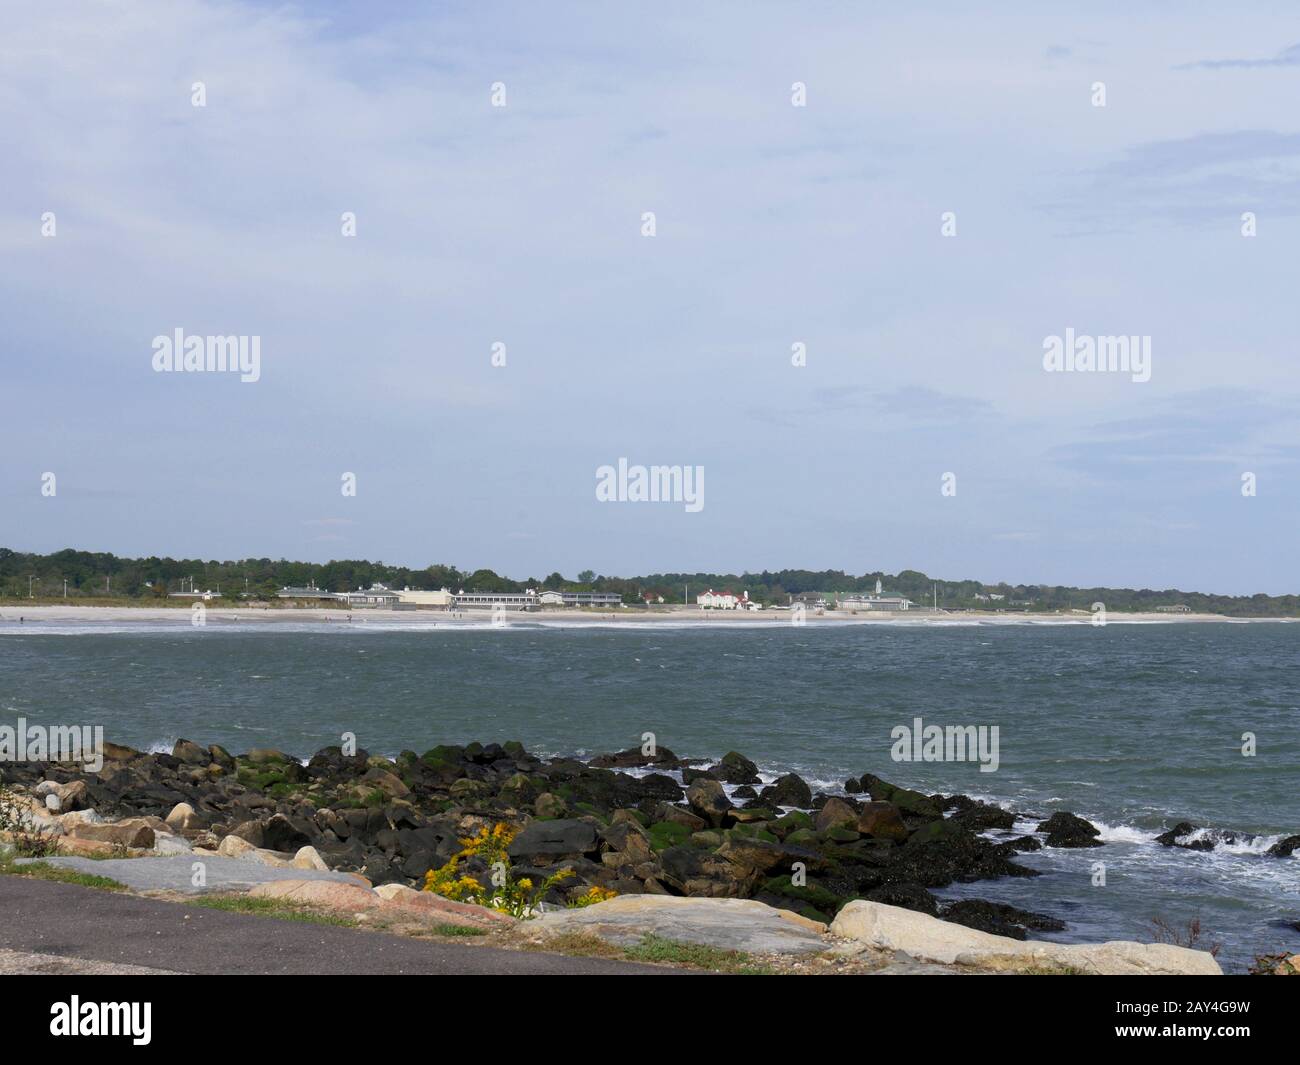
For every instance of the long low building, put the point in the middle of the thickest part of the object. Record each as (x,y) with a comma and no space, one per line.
(380,597)
(441,599)
(873,602)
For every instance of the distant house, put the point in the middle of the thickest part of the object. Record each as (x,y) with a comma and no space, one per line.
(375,596)
(811,600)
(726,600)
(1177,608)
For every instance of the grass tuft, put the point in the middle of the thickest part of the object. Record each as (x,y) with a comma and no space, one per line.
(285,911)
(654,948)
(45,871)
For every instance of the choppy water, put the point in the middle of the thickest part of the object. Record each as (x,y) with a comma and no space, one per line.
(1132,726)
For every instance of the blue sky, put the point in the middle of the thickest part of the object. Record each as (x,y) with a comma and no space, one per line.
(775,225)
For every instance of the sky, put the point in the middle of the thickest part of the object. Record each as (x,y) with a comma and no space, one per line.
(921,429)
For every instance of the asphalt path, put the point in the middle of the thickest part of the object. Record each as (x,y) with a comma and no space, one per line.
(47,918)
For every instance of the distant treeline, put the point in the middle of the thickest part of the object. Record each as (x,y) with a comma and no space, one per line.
(100,575)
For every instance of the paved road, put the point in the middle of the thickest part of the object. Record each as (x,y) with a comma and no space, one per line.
(71,921)
(176,872)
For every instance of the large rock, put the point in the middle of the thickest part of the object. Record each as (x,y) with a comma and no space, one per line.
(389,783)
(756,857)
(882,820)
(190,753)
(1068,830)
(997,918)
(133,832)
(679,815)
(728,924)
(1285,847)
(183,818)
(281,833)
(266,755)
(67,797)
(565,836)
(708,800)
(882,927)
(735,769)
(309,858)
(549,806)
(633,758)
(835,814)
(789,790)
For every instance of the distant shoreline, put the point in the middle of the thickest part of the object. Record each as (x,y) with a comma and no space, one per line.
(679,616)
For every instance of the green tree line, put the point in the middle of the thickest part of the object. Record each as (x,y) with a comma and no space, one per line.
(91,574)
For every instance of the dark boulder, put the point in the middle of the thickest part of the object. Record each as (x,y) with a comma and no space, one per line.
(882,820)
(709,801)
(190,753)
(908,896)
(789,790)
(280,833)
(998,919)
(1064,829)
(735,768)
(565,836)
(634,758)
(1177,837)
(981,816)
(1284,848)
(331,761)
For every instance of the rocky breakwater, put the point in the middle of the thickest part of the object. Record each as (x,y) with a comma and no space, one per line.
(626,823)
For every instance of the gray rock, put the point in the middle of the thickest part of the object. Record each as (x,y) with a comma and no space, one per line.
(566,836)
(728,924)
(708,800)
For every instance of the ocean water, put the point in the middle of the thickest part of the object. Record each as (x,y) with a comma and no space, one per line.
(1135,727)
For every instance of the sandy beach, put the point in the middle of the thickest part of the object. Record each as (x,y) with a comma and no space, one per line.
(43,615)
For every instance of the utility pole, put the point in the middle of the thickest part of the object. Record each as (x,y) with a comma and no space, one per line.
(65,587)
(30,578)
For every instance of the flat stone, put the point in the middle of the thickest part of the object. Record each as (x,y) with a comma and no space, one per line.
(444,911)
(337,897)
(390,900)
(728,924)
(929,939)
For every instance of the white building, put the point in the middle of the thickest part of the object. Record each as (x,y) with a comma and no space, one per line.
(525,600)
(377,595)
(877,603)
(728,600)
(550,597)
(440,600)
